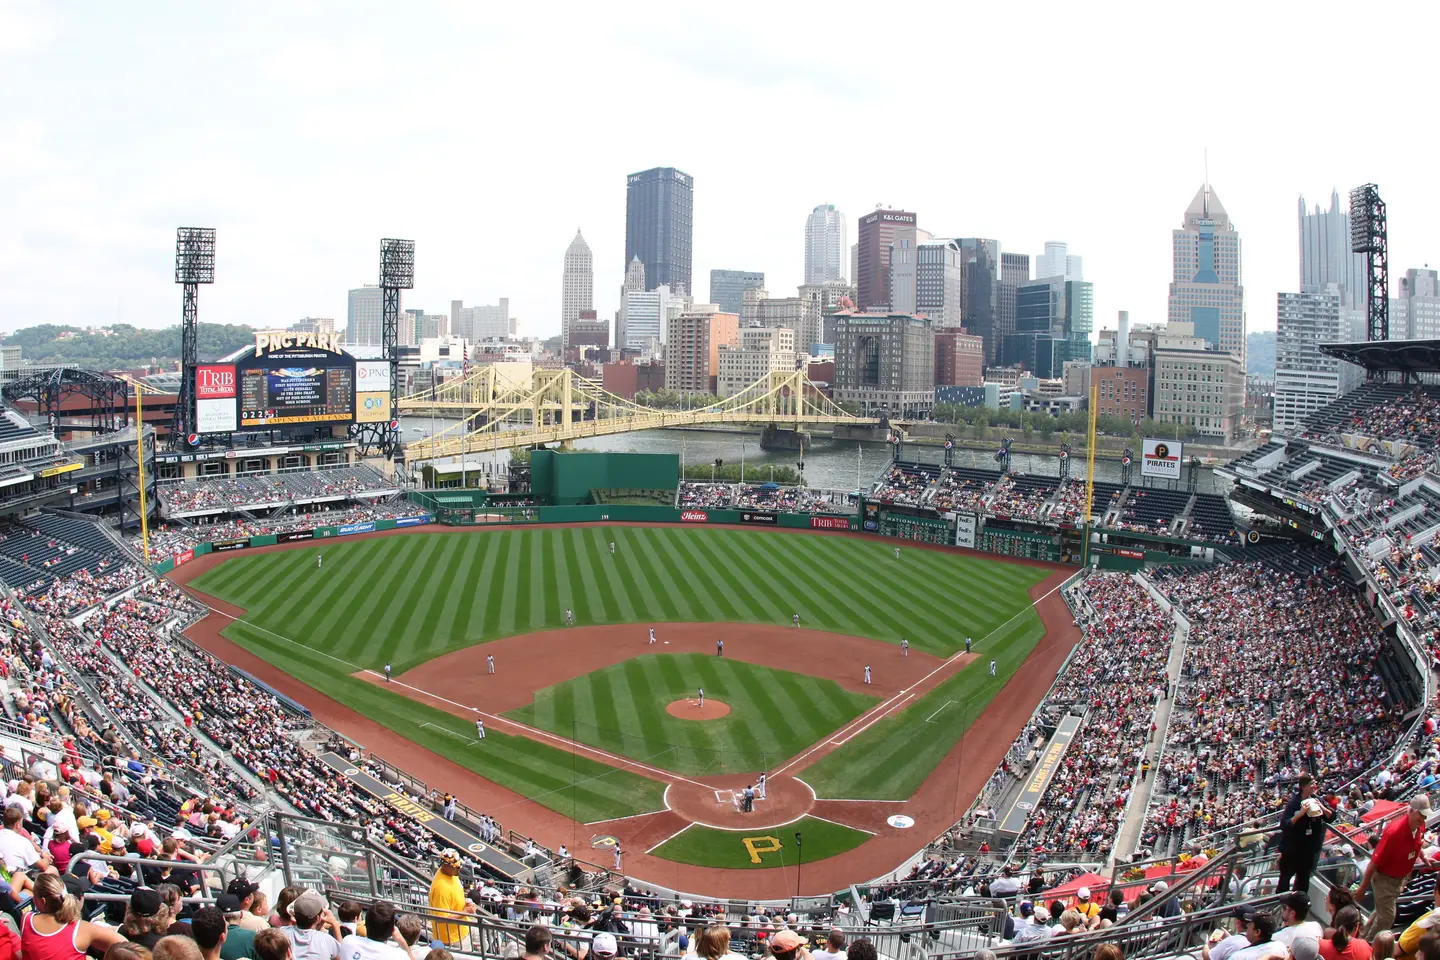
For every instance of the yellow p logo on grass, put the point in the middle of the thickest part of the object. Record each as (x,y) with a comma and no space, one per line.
(758,845)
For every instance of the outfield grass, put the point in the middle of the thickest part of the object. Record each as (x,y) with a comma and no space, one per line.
(773,713)
(407,599)
(709,847)
(889,760)
(410,598)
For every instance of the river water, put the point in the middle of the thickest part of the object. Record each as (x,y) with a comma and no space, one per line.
(829,464)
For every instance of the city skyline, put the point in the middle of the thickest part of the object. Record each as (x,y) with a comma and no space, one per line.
(90,243)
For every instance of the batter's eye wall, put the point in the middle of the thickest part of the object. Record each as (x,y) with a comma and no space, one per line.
(563,479)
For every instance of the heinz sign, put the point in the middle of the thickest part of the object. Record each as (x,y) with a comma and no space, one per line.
(694,516)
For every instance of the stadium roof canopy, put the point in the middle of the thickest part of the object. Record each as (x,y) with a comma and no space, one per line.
(1395,356)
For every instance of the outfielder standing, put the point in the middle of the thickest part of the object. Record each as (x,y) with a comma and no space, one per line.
(319,560)
(652,634)
(904,647)
(719,648)
(387,673)
(612,548)
(992,668)
(490,663)
(867,673)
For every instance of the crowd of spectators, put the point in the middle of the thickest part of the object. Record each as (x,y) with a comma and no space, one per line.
(169,539)
(271,489)
(1021,498)
(956,491)
(706,496)
(903,484)
(1414,419)
(1279,679)
(1115,678)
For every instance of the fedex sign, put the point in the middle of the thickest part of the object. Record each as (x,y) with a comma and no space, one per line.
(215,382)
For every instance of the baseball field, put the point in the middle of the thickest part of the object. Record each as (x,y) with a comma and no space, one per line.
(594,723)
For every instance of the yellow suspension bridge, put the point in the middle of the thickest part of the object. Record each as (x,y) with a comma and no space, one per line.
(556,406)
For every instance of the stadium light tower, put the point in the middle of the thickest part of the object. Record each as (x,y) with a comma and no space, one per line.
(397,272)
(194,265)
(1368,235)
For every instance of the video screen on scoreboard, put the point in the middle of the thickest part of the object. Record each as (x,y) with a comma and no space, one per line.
(293,393)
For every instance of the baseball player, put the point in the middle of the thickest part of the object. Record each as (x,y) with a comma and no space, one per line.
(867,673)
(618,854)
(569,617)
(387,673)
(897,553)
(968,641)
(760,786)
(490,664)
(719,648)
(702,698)
(904,647)
(992,668)
(319,560)
(652,634)
(479,729)
(612,548)
(795,619)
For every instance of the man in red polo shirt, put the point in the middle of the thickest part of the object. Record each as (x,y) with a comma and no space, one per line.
(1394,859)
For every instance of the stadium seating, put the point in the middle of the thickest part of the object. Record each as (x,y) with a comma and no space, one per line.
(1211,519)
(270,490)
(1152,510)
(169,540)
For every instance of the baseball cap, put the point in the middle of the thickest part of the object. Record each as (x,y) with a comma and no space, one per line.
(1299,901)
(241,888)
(306,907)
(1420,803)
(145,902)
(1042,915)
(1304,948)
(84,822)
(1159,886)
(450,858)
(1083,893)
(1026,908)
(227,903)
(604,943)
(785,941)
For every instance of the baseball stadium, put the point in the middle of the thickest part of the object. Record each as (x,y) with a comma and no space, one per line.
(957,709)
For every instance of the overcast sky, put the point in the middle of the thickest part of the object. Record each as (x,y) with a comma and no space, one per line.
(305,132)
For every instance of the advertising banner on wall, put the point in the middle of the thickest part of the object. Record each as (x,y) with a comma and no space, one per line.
(291,536)
(829,523)
(215,398)
(768,519)
(372,391)
(965,530)
(1161,459)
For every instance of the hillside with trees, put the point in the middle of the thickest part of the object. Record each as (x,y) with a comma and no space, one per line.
(123,344)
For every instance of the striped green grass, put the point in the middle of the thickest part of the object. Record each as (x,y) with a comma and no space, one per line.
(582,789)
(773,713)
(768,847)
(406,599)
(889,760)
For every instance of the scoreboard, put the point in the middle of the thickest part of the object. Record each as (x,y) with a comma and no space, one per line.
(296,383)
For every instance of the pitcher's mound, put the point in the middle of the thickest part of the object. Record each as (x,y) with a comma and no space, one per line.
(691,709)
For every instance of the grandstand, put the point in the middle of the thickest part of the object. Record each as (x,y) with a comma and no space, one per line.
(1197,700)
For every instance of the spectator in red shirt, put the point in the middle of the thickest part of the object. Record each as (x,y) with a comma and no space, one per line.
(1395,855)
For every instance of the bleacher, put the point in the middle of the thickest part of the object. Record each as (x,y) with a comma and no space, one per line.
(963,488)
(1152,510)
(906,482)
(1337,417)
(264,491)
(1211,519)
(15,427)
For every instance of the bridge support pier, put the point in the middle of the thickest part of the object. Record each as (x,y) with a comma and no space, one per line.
(776,438)
(847,431)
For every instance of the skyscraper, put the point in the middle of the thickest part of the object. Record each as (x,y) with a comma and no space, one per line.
(939,282)
(1205,287)
(827,245)
(659,225)
(577,288)
(1056,261)
(362,319)
(1415,314)
(1305,378)
(727,287)
(878,233)
(1325,256)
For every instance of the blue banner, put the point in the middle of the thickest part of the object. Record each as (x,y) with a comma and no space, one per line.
(411,521)
(366,527)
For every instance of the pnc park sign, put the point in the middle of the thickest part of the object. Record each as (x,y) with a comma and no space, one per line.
(273,340)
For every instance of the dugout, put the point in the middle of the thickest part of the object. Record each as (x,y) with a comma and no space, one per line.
(565,478)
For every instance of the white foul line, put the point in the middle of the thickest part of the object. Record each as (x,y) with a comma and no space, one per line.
(931,718)
(888,705)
